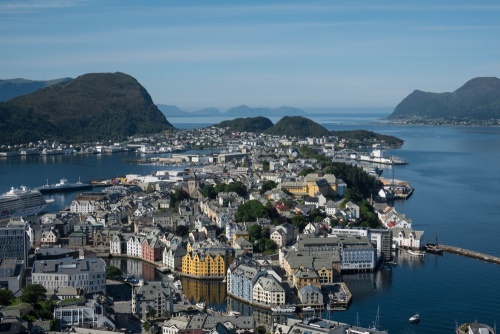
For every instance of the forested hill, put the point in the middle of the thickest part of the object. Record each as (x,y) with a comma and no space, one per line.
(298,126)
(477,99)
(97,106)
(247,124)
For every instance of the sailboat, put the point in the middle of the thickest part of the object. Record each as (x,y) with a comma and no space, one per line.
(434,248)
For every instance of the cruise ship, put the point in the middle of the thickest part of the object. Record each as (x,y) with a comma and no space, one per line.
(22,202)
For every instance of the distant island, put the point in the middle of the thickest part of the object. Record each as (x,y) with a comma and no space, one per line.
(301,127)
(240,111)
(92,107)
(477,102)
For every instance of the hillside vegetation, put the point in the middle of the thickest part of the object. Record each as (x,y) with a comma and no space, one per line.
(247,124)
(98,106)
(298,126)
(478,99)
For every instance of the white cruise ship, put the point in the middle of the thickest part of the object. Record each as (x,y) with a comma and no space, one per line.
(22,202)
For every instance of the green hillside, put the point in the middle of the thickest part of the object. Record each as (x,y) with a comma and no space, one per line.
(478,99)
(97,106)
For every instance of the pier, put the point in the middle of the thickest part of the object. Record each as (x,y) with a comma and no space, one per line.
(469,253)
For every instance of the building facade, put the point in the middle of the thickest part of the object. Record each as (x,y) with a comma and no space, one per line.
(152,299)
(84,275)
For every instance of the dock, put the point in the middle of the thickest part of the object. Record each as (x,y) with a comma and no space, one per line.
(470,253)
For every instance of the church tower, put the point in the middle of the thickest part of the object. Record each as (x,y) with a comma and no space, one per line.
(192,183)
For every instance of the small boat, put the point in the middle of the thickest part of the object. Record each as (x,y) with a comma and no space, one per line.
(234,313)
(201,305)
(416,252)
(178,285)
(414,318)
(391,263)
(283,309)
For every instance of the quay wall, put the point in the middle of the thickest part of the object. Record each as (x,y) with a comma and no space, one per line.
(470,253)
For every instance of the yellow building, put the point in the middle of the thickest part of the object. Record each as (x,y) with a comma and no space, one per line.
(312,184)
(205,263)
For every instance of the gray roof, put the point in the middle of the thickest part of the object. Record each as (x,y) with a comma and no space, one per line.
(308,288)
(69,266)
(269,283)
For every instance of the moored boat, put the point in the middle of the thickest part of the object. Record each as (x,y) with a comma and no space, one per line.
(22,202)
(201,305)
(283,309)
(416,252)
(63,186)
(433,248)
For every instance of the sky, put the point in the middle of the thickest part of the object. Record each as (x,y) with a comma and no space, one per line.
(305,54)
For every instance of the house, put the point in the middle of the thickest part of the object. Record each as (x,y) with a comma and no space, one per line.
(134,246)
(310,295)
(152,249)
(407,238)
(267,290)
(152,299)
(172,256)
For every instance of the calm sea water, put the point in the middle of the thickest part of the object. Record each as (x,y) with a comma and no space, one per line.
(456,175)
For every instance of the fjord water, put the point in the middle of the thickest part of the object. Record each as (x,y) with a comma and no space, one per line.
(456,175)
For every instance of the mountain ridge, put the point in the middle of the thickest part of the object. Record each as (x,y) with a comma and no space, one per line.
(478,98)
(94,106)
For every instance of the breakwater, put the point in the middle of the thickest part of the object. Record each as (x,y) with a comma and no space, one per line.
(470,253)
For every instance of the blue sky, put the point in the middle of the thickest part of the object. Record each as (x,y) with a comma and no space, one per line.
(306,54)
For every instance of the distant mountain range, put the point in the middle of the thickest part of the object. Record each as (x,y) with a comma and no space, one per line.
(96,106)
(11,88)
(477,99)
(240,111)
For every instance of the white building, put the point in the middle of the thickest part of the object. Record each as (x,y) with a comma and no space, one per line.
(134,246)
(267,290)
(82,206)
(407,238)
(84,275)
(115,245)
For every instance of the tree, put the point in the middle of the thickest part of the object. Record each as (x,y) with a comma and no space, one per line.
(6,296)
(250,211)
(268,185)
(32,293)
(255,232)
(112,271)
(237,187)
(299,222)
(181,230)
(209,192)
(261,329)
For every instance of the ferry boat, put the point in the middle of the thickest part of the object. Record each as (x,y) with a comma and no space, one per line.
(22,202)
(62,186)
